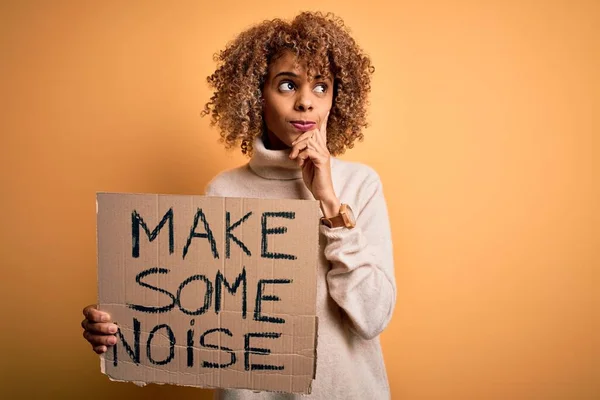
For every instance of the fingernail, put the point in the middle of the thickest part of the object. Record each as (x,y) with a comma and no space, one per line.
(104,318)
(112,329)
(112,340)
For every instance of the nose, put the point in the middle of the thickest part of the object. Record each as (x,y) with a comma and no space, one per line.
(303,101)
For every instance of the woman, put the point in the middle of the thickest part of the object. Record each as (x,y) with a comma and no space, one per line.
(292,95)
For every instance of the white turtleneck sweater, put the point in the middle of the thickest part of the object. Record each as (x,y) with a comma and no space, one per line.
(356,290)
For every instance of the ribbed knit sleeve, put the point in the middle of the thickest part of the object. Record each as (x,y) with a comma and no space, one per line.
(361,279)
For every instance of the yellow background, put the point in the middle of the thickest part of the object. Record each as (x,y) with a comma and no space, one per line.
(484,123)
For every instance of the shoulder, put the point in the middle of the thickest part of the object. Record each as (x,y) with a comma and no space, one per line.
(221,185)
(354,174)
(355,182)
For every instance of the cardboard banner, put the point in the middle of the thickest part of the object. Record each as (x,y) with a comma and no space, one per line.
(210,291)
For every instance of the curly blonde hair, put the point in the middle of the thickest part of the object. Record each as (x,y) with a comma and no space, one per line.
(320,41)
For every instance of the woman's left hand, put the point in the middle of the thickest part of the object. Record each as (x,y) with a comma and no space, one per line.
(310,151)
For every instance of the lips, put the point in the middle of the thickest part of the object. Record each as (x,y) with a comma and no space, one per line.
(303,125)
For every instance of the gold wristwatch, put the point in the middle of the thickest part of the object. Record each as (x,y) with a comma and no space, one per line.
(344,218)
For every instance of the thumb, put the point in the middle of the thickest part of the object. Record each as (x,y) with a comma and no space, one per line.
(324,122)
(323,128)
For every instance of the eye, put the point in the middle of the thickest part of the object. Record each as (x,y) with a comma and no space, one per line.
(321,88)
(286,86)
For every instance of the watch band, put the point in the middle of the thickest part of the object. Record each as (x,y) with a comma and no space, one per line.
(333,222)
(345,218)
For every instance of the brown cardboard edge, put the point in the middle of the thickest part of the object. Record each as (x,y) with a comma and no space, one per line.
(102,359)
(316,354)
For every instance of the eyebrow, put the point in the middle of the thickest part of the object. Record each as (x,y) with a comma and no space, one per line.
(285,73)
(294,75)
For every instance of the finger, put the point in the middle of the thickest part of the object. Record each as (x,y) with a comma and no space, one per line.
(100,340)
(300,146)
(87,310)
(323,126)
(316,143)
(307,154)
(100,349)
(93,314)
(319,144)
(307,170)
(105,328)
(302,159)
(303,136)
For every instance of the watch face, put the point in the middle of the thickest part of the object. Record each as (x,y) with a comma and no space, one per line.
(348,214)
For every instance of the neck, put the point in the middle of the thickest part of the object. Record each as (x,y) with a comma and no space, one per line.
(273,163)
(272,142)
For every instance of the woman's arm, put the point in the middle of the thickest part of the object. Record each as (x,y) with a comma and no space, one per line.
(361,279)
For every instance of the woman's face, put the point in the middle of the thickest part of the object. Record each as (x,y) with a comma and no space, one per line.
(292,103)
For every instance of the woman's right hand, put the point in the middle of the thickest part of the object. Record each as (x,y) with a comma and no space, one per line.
(98,330)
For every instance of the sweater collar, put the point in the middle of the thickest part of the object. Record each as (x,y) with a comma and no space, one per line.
(273,164)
